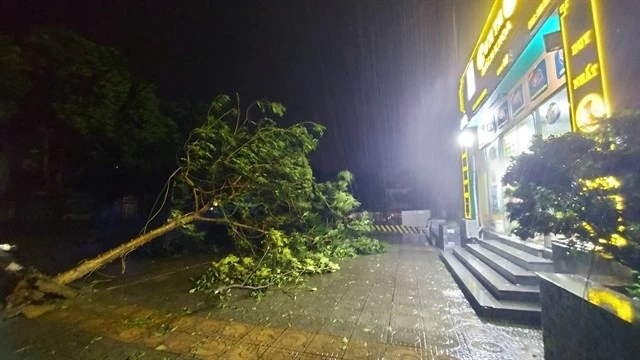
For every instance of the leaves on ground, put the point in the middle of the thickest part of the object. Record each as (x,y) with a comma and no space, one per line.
(138,322)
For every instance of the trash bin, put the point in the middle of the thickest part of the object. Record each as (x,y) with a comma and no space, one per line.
(450,233)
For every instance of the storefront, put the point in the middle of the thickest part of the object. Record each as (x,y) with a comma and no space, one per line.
(538,68)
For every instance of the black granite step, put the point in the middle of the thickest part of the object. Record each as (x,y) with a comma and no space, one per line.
(498,285)
(526,246)
(521,258)
(481,299)
(512,272)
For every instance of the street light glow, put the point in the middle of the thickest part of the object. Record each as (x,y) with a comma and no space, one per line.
(466,139)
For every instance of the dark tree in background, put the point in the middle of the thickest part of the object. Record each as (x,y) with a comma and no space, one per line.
(73,117)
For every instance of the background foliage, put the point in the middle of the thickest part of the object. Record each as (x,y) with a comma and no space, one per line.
(75,118)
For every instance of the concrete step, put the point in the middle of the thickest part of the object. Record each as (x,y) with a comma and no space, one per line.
(512,272)
(498,285)
(481,299)
(518,257)
(526,246)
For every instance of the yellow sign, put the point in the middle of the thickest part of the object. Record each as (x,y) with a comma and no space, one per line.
(590,72)
(584,40)
(504,32)
(589,111)
(461,96)
(536,15)
(461,88)
(466,186)
(503,64)
(495,37)
(585,65)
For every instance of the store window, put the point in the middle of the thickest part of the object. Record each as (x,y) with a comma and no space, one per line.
(495,169)
(515,142)
(518,139)
(554,115)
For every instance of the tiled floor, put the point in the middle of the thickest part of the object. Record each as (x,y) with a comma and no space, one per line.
(398,305)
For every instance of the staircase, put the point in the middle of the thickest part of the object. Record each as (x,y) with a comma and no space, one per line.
(498,278)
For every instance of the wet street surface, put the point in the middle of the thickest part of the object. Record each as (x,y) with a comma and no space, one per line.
(399,305)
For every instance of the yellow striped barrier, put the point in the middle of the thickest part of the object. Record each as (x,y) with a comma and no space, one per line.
(399,229)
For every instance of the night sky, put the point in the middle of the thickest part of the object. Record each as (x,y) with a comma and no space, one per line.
(381,75)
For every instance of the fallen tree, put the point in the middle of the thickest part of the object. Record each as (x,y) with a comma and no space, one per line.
(242,170)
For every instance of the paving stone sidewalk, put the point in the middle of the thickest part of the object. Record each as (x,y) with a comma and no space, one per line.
(399,305)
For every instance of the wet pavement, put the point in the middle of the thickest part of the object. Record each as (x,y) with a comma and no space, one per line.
(399,305)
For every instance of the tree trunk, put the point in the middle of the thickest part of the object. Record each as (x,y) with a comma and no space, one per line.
(88,266)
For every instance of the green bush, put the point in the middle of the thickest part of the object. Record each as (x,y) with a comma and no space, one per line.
(585,187)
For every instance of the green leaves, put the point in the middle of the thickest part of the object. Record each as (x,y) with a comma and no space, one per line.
(282,222)
(584,187)
(273,107)
(278,109)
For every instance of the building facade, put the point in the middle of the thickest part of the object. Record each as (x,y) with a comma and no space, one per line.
(541,67)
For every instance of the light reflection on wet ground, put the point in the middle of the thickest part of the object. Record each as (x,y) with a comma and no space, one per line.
(402,304)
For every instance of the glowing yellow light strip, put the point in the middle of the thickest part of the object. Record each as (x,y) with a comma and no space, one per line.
(466,190)
(479,100)
(461,90)
(595,9)
(565,44)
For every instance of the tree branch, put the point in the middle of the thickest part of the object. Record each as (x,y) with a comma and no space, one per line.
(167,186)
(240,286)
(227,222)
(257,266)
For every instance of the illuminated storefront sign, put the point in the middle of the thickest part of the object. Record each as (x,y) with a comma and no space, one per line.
(495,37)
(590,72)
(504,63)
(585,39)
(584,58)
(493,42)
(502,39)
(467,187)
(589,110)
(544,4)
